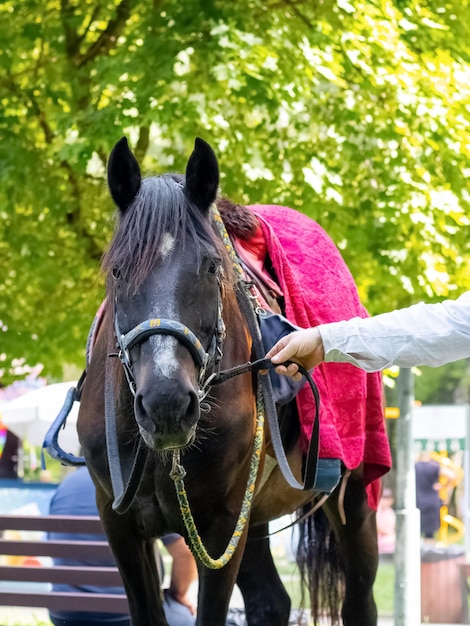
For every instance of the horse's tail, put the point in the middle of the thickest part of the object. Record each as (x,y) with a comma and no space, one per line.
(320,567)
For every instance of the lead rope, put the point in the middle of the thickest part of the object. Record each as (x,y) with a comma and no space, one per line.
(178,473)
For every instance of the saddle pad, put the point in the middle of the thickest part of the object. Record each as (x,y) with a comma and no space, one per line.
(319,288)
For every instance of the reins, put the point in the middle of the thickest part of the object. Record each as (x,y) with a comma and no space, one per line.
(178,472)
(269,404)
(125,480)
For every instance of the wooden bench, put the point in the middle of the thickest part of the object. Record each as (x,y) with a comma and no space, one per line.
(28,572)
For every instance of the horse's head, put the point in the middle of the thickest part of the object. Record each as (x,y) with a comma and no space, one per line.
(164,278)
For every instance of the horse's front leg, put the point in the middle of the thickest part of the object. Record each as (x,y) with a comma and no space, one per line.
(215,591)
(266,600)
(135,558)
(216,585)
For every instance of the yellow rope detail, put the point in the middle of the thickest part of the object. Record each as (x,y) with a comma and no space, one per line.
(178,473)
(227,242)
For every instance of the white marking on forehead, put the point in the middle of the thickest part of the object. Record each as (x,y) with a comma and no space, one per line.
(164,346)
(164,354)
(168,243)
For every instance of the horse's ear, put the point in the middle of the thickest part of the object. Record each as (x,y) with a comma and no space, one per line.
(123,174)
(202,175)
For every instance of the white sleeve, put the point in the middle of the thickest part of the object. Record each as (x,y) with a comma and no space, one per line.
(423,334)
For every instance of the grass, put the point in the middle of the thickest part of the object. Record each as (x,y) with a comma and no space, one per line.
(383,588)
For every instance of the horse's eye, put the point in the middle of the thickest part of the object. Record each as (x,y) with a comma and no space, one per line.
(116,273)
(214,267)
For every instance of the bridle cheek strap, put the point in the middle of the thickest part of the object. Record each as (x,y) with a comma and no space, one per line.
(126,469)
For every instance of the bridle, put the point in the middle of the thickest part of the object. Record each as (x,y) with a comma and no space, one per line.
(207,361)
(126,470)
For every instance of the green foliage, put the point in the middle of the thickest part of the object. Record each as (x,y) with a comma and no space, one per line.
(354,113)
(12,617)
(448,384)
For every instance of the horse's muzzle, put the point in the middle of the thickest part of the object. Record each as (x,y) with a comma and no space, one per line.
(167,419)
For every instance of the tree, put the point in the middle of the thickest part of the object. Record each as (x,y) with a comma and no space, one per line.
(355,114)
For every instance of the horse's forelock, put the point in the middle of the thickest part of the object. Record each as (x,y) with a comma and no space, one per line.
(159,211)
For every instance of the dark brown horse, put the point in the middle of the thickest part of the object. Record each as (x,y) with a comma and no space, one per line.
(173,320)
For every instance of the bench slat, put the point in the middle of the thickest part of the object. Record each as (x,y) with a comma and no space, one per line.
(63,601)
(20,579)
(64,574)
(95,550)
(53,523)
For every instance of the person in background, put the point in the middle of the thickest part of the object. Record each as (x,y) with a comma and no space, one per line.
(76,496)
(431,478)
(386,522)
(428,500)
(422,334)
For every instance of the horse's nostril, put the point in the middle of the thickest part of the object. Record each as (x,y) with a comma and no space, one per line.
(139,404)
(192,412)
(143,414)
(166,421)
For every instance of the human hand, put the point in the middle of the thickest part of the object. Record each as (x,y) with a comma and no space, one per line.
(183,599)
(302,346)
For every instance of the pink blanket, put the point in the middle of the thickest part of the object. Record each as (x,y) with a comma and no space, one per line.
(318,287)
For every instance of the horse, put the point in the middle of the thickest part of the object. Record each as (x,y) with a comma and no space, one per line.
(154,429)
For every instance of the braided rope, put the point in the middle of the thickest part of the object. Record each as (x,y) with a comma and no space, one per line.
(178,473)
(226,240)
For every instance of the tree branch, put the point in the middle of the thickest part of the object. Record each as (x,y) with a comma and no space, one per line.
(296,11)
(74,215)
(109,36)
(72,42)
(142,143)
(27,97)
(93,17)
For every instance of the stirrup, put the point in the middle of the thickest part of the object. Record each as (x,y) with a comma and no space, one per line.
(51,438)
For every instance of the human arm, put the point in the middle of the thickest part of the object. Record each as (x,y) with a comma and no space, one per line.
(183,572)
(423,334)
